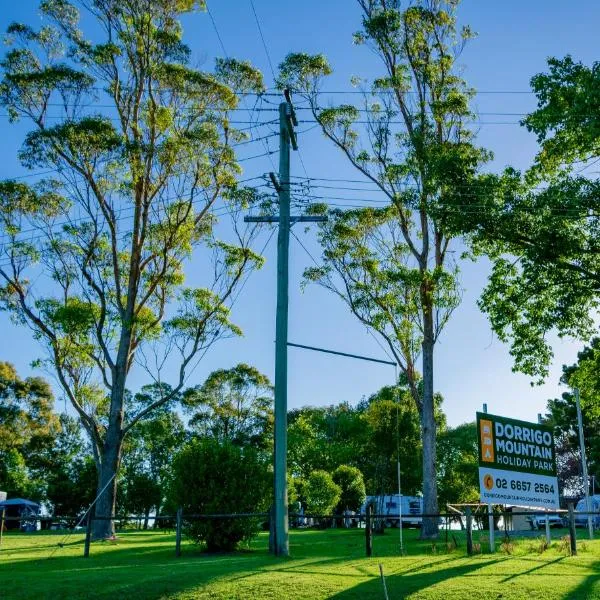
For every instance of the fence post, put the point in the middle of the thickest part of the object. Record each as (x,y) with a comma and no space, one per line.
(2,525)
(272,529)
(572,533)
(492,528)
(369,530)
(469,531)
(88,531)
(446,523)
(178,532)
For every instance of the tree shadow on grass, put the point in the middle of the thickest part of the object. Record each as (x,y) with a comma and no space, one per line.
(543,565)
(400,585)
(589,588)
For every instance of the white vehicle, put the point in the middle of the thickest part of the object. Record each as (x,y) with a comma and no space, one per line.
(582,520)
(539,521)
(388,505)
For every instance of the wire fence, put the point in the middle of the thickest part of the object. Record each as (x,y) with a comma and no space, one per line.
(455,527)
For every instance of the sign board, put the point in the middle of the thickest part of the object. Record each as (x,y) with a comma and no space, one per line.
(517,462)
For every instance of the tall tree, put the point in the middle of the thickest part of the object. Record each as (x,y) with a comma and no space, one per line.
(562,415)
(392,265)
(131,195)
(458,475)
(541,229)
(148,453)
(323,438)
(392,434)
(70,473)
(28,429)
(233,404)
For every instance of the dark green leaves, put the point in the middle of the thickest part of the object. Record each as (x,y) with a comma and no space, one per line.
(567,120)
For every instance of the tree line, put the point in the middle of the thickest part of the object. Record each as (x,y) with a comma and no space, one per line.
(128,196)
(214,456)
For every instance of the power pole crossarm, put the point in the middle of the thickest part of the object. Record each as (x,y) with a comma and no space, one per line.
(276,219)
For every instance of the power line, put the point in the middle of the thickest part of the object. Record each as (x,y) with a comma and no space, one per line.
(470,122)
(339,293)
(119,218)
(115,119)
(262,37)
(243,99)
(369,182)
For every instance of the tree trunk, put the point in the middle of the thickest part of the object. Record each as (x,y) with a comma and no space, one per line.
(429,526)
(105,505)
(110,461)
(146,518)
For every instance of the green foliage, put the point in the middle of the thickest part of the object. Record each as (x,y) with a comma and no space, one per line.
(233,405)
(28,429)
(542,240)
(321,493)
(131,198)
(391,266)
(457,464)
(566,121)
(393,432)
(148,452)
(72,486)
(562,415)
(323,438)
(210,477)
(352,485)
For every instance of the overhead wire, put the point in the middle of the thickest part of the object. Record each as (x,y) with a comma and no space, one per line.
(214,23)
(385,351)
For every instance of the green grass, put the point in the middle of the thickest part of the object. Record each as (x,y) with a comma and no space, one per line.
(324,564)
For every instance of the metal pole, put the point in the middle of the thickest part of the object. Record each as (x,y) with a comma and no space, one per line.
(548,540)
(400,509)
(491,515)
(586,483)
(178,531)
(281,335)
(398,463)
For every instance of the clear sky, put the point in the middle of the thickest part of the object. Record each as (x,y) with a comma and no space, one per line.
(472,366)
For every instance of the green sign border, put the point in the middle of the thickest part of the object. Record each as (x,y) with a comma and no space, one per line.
(516,469)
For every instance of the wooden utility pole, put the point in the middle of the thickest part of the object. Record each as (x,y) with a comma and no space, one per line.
(287,137)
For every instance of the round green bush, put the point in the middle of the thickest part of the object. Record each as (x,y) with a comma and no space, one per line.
(212,477)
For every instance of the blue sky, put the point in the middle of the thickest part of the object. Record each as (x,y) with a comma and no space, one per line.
(472,366)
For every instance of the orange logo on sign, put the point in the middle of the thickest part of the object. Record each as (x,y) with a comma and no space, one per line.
(488,482)
(487,440)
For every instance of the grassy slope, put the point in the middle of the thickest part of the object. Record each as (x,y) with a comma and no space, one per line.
(328,564)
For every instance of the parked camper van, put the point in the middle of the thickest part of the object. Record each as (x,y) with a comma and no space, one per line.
(388,505)
(582,520)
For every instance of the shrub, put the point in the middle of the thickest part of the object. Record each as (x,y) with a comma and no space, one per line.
(322,494)
(212,477)
(352,484)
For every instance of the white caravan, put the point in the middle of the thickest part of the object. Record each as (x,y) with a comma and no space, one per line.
(388,505)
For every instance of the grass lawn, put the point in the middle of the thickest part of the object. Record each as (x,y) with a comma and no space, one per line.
(324,564)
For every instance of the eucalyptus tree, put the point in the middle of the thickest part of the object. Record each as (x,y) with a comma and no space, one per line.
(393,265)
(234,405)
(136,149)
